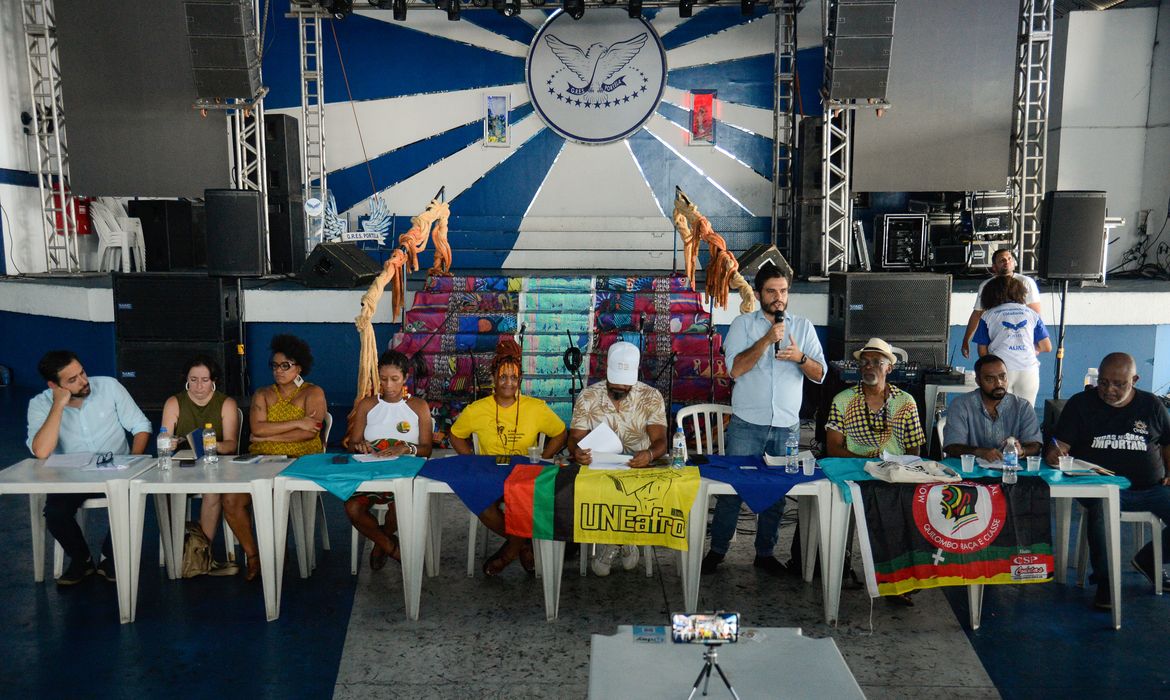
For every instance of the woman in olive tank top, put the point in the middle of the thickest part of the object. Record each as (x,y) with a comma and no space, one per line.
(198,404)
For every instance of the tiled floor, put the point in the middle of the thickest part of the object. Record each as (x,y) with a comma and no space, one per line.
(348,636)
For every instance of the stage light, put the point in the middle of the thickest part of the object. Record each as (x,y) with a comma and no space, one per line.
(507,8)
(453,10)
(747,8)
(684,7)
(400,10)
(340,9)
(575,8)
(635,8)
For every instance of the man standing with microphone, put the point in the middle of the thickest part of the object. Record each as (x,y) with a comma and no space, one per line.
(771,353)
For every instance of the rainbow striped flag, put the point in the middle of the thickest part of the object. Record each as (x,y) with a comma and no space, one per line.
(976,531)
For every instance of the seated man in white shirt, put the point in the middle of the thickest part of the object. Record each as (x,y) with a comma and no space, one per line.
(636,412)
(80,414)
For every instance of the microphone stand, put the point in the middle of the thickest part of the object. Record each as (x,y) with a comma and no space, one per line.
(711,357)
(658,375)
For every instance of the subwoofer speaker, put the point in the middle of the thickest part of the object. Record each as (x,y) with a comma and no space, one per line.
(1072,237)
(282,153)
(168,230)
(175,307)
(235,233)
(907,309)
(286,233)
(152,371)
(339,266)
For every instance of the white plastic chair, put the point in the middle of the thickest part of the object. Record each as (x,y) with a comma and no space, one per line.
(304,515)
(58,552)
(706,421)
(1139,518)
(117,233)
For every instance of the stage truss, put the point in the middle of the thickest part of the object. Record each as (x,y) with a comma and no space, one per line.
(58,215)
(1030,128)
(784,131)
(314,172)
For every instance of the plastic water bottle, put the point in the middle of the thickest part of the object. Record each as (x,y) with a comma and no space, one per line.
(792,453)
(1091,378)
(678,450)
(209,446)
(1011,461)
(166,447)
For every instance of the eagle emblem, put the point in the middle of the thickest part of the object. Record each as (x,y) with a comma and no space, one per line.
(598,65)
(1014,326)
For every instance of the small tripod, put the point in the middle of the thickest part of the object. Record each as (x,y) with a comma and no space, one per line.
(710,657)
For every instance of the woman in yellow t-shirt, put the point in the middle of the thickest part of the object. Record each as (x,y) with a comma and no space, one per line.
(507,423)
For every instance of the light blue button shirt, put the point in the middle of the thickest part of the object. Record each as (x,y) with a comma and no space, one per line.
(770,393)
(99,425)
(968,422)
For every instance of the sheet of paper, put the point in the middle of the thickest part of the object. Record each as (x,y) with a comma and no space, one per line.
(602,439)
(71,460)
(609,461)
(374,458)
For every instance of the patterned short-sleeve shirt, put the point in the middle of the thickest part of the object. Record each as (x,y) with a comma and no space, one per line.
(894,427)
(644,406)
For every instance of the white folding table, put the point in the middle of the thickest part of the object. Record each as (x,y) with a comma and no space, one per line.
(286,491)
(180,482)
(32,477)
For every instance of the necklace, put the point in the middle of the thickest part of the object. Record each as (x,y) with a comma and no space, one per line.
(509,442)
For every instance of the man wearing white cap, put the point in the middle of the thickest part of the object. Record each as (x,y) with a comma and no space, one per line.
(771,353)
(874,416)
(636,412)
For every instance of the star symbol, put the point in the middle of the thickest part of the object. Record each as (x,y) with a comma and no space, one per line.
(550,81)
(643,89)
(607,103)
(551,91)
(577,103)
(560,97)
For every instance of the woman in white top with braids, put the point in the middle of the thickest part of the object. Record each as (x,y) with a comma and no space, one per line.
(392,423)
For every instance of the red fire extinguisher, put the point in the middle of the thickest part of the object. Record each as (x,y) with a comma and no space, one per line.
(80,212)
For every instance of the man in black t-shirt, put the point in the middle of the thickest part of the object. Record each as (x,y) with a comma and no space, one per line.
(1121,428)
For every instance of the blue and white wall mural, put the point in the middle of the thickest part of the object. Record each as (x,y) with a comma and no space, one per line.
(410,97)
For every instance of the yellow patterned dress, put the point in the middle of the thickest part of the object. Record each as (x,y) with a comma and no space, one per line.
(281,411)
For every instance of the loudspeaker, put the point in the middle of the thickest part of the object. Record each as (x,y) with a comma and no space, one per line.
(858,50)
(282,153)
(339,266)
(153,371)
(225,54)
(902,308)
(286,233)
(175,307)
(168,232)
(870,19)
(1072,238)
(235,233)
(219,18)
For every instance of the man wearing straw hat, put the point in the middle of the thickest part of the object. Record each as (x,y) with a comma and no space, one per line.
(874,416)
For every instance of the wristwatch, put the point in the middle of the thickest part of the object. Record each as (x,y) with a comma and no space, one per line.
(802,359)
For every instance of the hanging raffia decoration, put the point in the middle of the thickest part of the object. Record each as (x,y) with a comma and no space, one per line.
(723,268)
(432,222)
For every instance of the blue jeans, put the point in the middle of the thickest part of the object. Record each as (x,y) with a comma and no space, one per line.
(745,438)
(1155,500)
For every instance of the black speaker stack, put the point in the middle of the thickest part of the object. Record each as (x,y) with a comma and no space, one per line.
(861,33)
(286,199)
(224,47)
(162,320)
(1072,236)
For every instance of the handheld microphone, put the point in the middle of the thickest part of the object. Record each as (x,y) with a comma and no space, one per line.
(778,318)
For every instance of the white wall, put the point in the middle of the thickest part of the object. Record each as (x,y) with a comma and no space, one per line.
(21,211)
(1156,172)
(1097,132)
